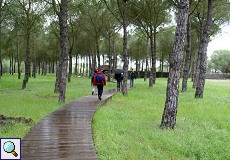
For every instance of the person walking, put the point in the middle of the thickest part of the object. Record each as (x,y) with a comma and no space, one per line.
(119,78)
(100,82)
(94,87)
(132,77)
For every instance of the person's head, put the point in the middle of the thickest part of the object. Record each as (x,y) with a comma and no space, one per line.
(95,71)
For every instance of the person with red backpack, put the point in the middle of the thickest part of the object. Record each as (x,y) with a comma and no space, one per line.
(100,82)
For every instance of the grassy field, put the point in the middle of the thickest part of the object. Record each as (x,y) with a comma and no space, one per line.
(36,101)
(128,127)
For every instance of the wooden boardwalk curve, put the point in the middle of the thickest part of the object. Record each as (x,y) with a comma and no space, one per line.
(66,133)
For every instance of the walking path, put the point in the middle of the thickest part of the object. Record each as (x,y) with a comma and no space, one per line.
(66,133)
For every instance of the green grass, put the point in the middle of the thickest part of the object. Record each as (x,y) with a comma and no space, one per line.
(37,100)
(128,127)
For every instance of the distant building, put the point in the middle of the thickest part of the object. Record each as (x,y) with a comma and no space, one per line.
(105,68)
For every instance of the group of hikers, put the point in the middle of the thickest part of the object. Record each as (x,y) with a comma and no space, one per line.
(98,81)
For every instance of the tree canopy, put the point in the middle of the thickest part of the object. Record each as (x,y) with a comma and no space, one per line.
(220,61)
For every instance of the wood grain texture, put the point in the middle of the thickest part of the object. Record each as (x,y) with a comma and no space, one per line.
(66,133)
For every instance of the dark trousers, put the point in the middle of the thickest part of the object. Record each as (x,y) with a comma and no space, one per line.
(100,89)
(118,85)
(131,83)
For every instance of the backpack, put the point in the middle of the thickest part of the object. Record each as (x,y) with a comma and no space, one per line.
(122,76)
(100,78)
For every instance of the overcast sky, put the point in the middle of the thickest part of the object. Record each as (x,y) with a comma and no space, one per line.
(220,42)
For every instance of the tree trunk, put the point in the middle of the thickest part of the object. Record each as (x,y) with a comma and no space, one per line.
(193,68)
(15,61)
(45,67)
(137,67)
(58,78)
(90,64)
(146,59)
(162,64)
(103,59)
(83,67)
(34,63)
(70,66)
(114,55)
(43,64)
(87,66)
(98,53)
(125,51)
(187,58)
(203,55)
(34,70)
(76,57)
(53,65)
(172,94)
(110,64)
(28,60)
(64,49)
(142,65)
(10,63)
(95,59)
(152,79)
(197,70)
(152,55)
(131,61)
(18,59)
(50,65)
(12,67)
(138,62)
(39,66)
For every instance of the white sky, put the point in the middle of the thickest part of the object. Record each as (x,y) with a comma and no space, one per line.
(220,42)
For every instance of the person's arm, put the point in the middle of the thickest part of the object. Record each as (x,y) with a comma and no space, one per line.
(104,80)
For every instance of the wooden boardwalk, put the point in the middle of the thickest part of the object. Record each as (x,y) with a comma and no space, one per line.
(66,133)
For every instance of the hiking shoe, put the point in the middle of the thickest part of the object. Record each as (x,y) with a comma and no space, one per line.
(99,97)
(92,92)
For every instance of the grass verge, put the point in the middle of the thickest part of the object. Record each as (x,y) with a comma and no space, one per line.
(128,127)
